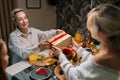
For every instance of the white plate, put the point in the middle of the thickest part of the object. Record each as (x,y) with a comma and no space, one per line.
(36,76)
(46,53)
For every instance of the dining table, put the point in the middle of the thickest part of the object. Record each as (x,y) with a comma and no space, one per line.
(22,70)
(25,70)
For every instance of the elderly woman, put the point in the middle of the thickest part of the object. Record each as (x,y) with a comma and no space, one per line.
(104,25)
(25,39)
(3,60)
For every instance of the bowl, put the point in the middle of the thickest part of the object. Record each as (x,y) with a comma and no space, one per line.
(69,52)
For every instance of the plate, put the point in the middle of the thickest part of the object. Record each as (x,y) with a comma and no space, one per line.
(45,62)
(36,76)
(46,53)
(45,58)
(59,75)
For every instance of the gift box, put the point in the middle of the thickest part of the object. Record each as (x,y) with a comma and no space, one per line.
(61,40)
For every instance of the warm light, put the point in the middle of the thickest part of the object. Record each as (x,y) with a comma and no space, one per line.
(77,37)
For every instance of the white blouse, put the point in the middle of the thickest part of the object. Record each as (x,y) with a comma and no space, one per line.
(21,46)
(88,69)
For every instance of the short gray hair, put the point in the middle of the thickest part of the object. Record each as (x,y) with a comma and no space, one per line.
(16,10)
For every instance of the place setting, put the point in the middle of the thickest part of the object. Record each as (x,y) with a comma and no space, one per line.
(40,73)
(49,65)
(43,65)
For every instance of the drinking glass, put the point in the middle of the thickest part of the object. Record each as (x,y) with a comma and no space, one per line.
(33,57)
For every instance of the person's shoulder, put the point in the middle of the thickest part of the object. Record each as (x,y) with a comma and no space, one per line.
(34,29)
(14,32)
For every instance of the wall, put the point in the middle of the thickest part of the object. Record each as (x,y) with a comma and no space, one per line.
(43,18)
(72,14)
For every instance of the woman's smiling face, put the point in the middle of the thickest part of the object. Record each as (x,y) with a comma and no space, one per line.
(22,20)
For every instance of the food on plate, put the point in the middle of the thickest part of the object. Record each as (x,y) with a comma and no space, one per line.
(41,71)
(41,56)
(44,54)
(51,54)
(69,52)
(45,62)
(61,40)
(59,73)
(49,61)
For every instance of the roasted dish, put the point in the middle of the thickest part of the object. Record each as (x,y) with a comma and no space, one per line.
(44,62)
(69,52)
(59,73)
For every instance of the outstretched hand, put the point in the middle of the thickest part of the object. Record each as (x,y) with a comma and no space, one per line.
(43,44)
(74,45)
(57,51)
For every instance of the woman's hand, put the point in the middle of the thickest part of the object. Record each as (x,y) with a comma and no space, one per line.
(57,51)
(74,45)
(44,44)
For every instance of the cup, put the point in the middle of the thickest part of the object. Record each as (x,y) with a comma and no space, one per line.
(33,57)
(77,37)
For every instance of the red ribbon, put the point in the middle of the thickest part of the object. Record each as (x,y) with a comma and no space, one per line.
(55,39)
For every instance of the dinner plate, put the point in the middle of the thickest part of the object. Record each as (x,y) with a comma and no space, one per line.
(58,74)
(36,76)
(46,53)
(45,62)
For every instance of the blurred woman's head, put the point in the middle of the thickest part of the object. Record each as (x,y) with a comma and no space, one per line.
(3,54)
(20,18)
(3,59)
(105,19)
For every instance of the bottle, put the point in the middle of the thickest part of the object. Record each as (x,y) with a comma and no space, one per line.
(77,36)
